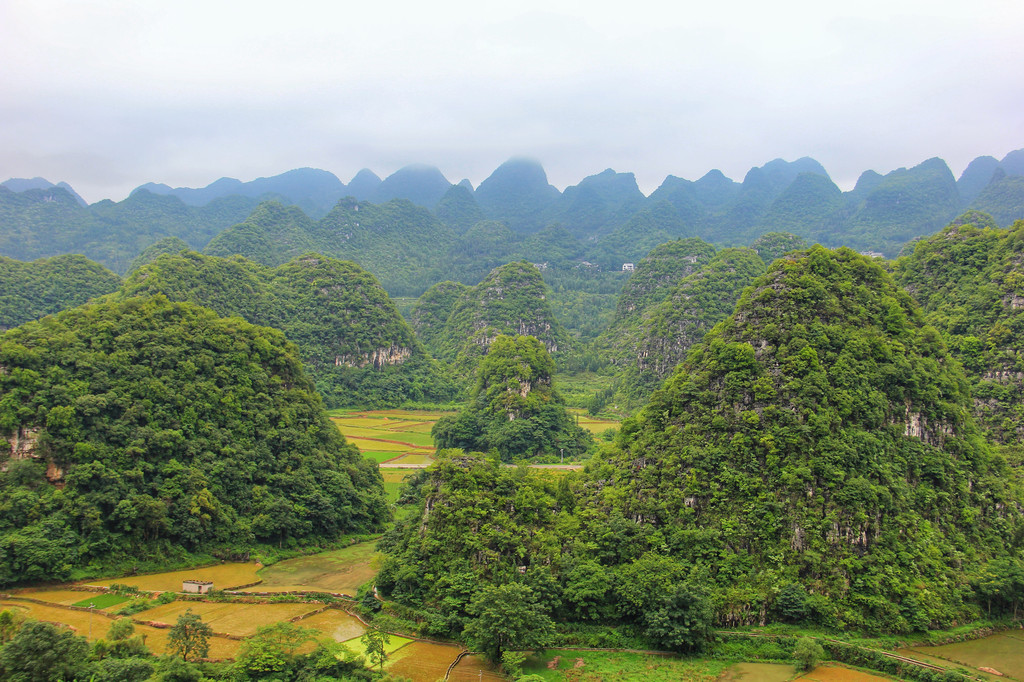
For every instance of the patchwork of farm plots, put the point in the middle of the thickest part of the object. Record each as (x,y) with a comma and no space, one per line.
(398,439)
(393,438)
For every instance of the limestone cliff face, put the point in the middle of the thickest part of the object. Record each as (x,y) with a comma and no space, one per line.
(378,358)
(24,445)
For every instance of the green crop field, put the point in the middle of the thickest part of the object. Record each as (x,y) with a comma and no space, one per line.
(102,600)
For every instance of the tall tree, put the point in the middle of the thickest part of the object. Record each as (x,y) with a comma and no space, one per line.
(189,637)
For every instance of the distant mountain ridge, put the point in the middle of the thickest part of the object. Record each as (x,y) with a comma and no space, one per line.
(605,220)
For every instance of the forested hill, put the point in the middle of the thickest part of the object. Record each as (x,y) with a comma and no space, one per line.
(29,291)
(512,299)
(969,278)
(820,435)
(146,429)
(663,335)
(39,223)
(652,281)
(356,346)
(409,229)
(814,460)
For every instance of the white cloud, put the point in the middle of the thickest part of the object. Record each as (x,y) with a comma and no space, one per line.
(107,95)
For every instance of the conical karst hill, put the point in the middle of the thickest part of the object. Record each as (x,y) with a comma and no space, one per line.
(820,437)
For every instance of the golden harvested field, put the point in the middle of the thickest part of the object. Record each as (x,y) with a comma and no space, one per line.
(334,623)
(156,638)
(477,668)
(422,661)
(229,618)
(341,570)
(224,577)
(65,597)
(363,422)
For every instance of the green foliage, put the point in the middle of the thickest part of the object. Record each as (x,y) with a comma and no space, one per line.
(189,637)
(665,332)
(29,291)
(970,283)
(350,336)
(772,245)
(681,621)
(271,651)
(897,207)
(512,299)
(820,435)
(813,459)
(514,409)
(507,617)
(167,245)
(42,652)
(1003,199)
(401,243)
(375,644)
(41,223)
(167,428)
(808,653)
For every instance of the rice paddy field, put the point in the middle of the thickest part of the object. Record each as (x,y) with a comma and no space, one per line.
(223,576)
(341,570)
(94,626)
(334,623)
(229,618)
(606,666)
(830,673)
(1003,651)
(392,438)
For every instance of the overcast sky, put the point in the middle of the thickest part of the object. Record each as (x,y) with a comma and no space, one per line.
(107,95)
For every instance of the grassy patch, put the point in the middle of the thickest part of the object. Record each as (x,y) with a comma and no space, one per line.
(102,601)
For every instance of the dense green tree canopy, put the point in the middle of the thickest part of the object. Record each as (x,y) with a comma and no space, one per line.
(813,459)
(145,427)
(969,279)
(821,434)
(514,408)
(356,346)
(48,285)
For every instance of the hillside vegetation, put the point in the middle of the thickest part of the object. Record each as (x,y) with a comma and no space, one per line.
(511,299)
(146,428)
(356,346)
(814,460)
(31,290)
(969,279)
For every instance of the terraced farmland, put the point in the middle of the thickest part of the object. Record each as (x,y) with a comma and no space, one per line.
(396,439)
